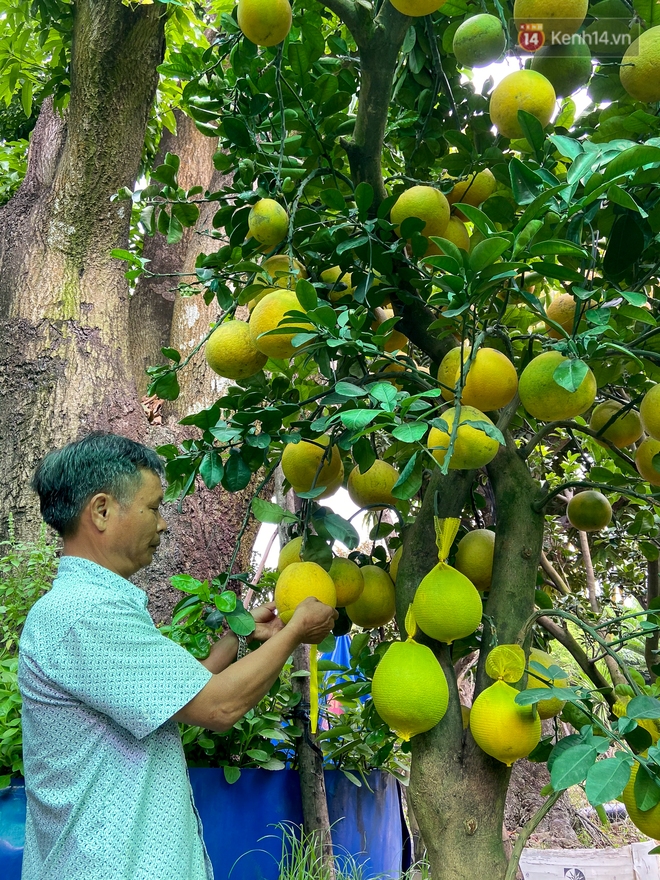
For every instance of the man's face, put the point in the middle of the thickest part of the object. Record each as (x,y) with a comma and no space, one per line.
(137,527)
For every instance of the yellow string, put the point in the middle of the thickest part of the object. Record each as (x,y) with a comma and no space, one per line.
(445,532)
(313,688)
(410,624)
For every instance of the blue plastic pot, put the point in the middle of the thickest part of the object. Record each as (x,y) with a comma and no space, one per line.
(240,822)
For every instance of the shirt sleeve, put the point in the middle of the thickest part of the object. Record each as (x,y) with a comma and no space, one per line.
(115,660)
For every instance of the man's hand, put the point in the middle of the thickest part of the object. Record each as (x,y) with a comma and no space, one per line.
(313,620)
(267,622)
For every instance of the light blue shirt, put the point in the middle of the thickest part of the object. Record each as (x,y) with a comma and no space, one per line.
(108,794)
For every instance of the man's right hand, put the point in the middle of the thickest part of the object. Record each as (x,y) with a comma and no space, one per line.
(313,620)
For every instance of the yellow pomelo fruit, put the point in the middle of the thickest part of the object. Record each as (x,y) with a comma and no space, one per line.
(557,16)
(502,728)
(416,8)
(544,399)
(409,689)
(268,222)
(333,485)
(394,563)
(456,232)
(625,430)
(374,486)
(521,90)
(465,716)
(426,203)
(644,460)
(647,821)
(447,605)
(268,315)
(477,188)
(479,40)
(339,281)
(567,67)
(491,381)
(552,707)
(375,607)
(473,448)
(640,67)
(262,295)
(230,351)
(299,581)
(348,580)
(289,553)
(562,311)
(448,369)
(264,22)
(506,663)
(307,463)
(395,340)
(650,725)
(282,272)
(474,557)
(589,511)
(650,412)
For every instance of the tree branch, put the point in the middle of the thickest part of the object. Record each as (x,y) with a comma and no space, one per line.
(554,575)
(652,592)
(589,571)
(349,12)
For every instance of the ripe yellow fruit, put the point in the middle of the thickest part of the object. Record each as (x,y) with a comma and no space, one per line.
(395,340)
(477,188)
(625,430)
(264,22)
(491,381)
(339,281)
(562,311)
(376,605)
(455,232)
(474,557)
(299,581)
(268,315)
(262,295)
(558,16)
(500,727)
(333,485)
(647,821)
(650,725)
(348,580)
(374,486)
(289,553)
(546,708)
(473,448)
(417,8)
(447,605)
(426,203)
(282,272)
(521,90)
(644,460)
(650,412)
(448,369)
(640,67)
(230,351)
(544,399)
(394,563)
(409,689)
(268,222)
(479,40)
(307,463)
(589,511)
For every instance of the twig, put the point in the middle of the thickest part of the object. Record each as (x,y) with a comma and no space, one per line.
(554,575)
(527,831)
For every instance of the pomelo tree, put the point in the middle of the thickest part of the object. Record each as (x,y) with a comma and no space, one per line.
(429,226)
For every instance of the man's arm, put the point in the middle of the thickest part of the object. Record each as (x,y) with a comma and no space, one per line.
(224,651)
(235,690)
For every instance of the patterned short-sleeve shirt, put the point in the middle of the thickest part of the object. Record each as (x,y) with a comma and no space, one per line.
(108,794)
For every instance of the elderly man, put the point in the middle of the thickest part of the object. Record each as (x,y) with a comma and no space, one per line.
(107,788)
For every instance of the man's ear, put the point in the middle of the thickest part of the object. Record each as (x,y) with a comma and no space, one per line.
(98,508)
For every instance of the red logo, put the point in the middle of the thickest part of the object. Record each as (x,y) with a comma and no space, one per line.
(531,36)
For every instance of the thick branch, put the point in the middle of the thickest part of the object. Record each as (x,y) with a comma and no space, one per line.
(589,571)
(554,575)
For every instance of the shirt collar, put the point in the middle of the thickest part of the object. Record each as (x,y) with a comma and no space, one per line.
(77,568)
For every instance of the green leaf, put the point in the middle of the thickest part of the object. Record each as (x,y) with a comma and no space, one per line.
(341,530)
(525,183)
(566,146)
(489,429)
(410,432)
(553,247)
(186,583)
(240,621)
(542,600)
(631,159)
(267,512)
(487,251)
(236,131)
(385,394)
(606,779)
(226,602)
(572,766)
(333,199)
(532,131)
(448,248)
(410,481)
(364,197)
(315,549)
(347,389)
(570,374)
(166,387)
(647,789)
(211,469)
(306,294)
(26,99)
(232,774)
(237,474)
(356,419)
(643,707)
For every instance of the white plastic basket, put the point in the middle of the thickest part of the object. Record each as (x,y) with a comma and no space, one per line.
(627,863)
